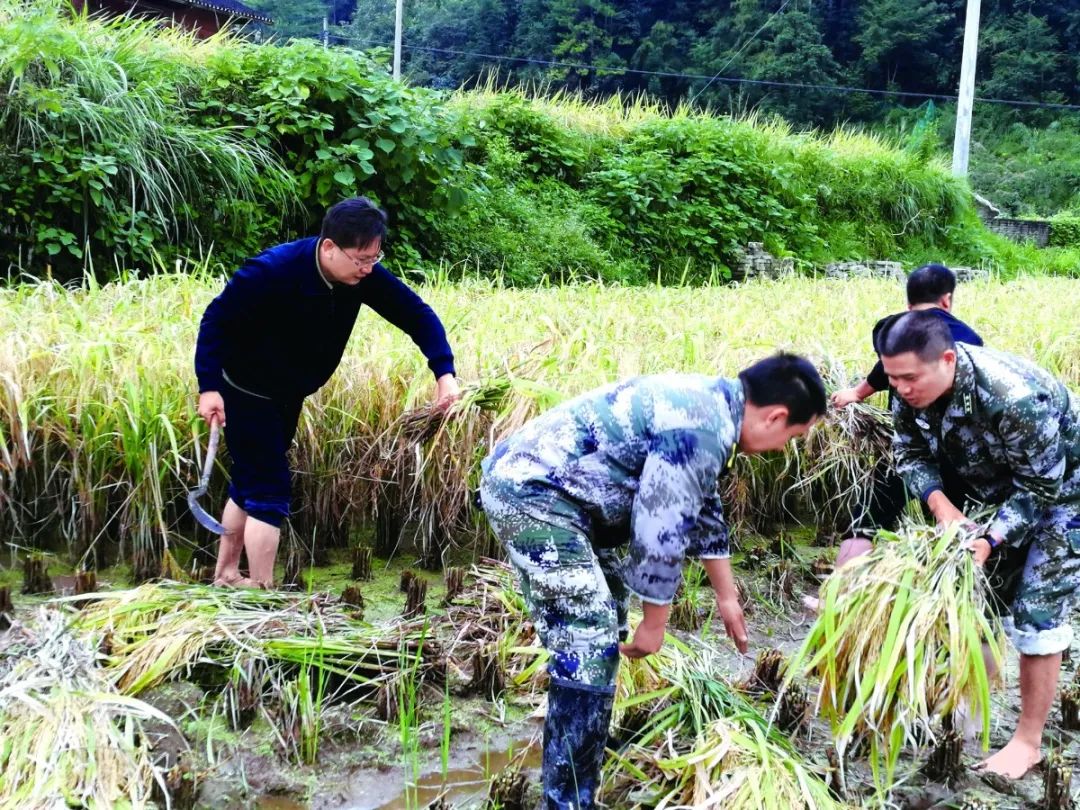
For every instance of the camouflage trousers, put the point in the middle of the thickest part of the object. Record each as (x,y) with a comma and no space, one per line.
(1039,624)
(575,593)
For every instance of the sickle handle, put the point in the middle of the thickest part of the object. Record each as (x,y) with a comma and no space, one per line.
(211,452)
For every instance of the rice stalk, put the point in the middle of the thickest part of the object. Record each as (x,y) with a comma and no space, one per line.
(897,645)
(489,614)
(98,443)
(67,737)
(843,457)
(703,745)
(160,632)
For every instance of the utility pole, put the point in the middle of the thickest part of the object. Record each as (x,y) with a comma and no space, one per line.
(325,33)
(966,95)
(397,40)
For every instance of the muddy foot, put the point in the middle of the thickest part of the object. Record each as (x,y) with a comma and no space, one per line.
(1011,762)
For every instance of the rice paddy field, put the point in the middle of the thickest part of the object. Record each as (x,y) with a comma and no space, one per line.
(396,666)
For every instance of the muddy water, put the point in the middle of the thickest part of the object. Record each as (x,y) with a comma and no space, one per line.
(464,782)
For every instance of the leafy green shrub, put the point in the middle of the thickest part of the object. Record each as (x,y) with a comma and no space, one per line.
(1065,231)
(149,144)
(530,231)
(129,139)
(96,149)
(342,126)
(547,148)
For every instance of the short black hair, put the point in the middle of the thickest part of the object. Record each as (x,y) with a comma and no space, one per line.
(355,222)
(923,332)
(927,284)
(789,380)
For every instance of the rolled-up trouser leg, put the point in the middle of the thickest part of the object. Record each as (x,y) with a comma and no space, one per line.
(1040,611)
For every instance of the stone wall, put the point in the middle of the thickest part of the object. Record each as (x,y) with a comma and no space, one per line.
(756,262)
(1021,230)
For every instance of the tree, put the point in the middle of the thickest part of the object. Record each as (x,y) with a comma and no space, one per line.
(795,53)
(293,18)
(1025,60)
(905,44)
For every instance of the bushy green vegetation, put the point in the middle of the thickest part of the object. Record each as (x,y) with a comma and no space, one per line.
(121,144)
(1065,230)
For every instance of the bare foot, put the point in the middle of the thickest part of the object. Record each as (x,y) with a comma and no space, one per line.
(247,582)
(811,604)
(1013,761)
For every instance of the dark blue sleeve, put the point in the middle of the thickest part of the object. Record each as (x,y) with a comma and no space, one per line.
(877,378)
(392,299)
(244,293)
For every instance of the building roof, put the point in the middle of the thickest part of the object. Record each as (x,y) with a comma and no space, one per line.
(231,7)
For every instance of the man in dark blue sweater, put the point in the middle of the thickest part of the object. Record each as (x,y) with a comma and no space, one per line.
(275,335)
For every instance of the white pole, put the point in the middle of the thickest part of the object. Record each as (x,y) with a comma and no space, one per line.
(397,40)
(325,33)
(962,140)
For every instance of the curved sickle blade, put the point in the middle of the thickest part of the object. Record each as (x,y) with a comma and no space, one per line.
(200,514)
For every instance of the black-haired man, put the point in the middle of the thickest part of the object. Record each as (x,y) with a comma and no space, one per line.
(274,336)
(930,288)
(1012,433)
(634,463)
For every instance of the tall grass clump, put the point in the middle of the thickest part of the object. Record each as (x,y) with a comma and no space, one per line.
(121,136)
(676,194)
(898,645)
(98,150)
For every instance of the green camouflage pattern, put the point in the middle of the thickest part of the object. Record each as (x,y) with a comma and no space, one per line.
(637,461)
(1012,433)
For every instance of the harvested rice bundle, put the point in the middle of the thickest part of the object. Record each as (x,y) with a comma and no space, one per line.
(426,462)
(159,632)
(67,738)
(704,745)
(739,766)
(897,645)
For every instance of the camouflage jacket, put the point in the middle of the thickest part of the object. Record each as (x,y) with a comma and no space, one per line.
(637,461)
(1011,431)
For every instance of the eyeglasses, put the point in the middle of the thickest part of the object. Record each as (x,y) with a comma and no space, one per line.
(364,261)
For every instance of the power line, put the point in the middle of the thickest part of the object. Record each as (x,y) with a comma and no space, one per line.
(739,51)
(834,88)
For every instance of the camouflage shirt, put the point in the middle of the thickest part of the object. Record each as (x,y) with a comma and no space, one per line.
(1011,431)
(639,461)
